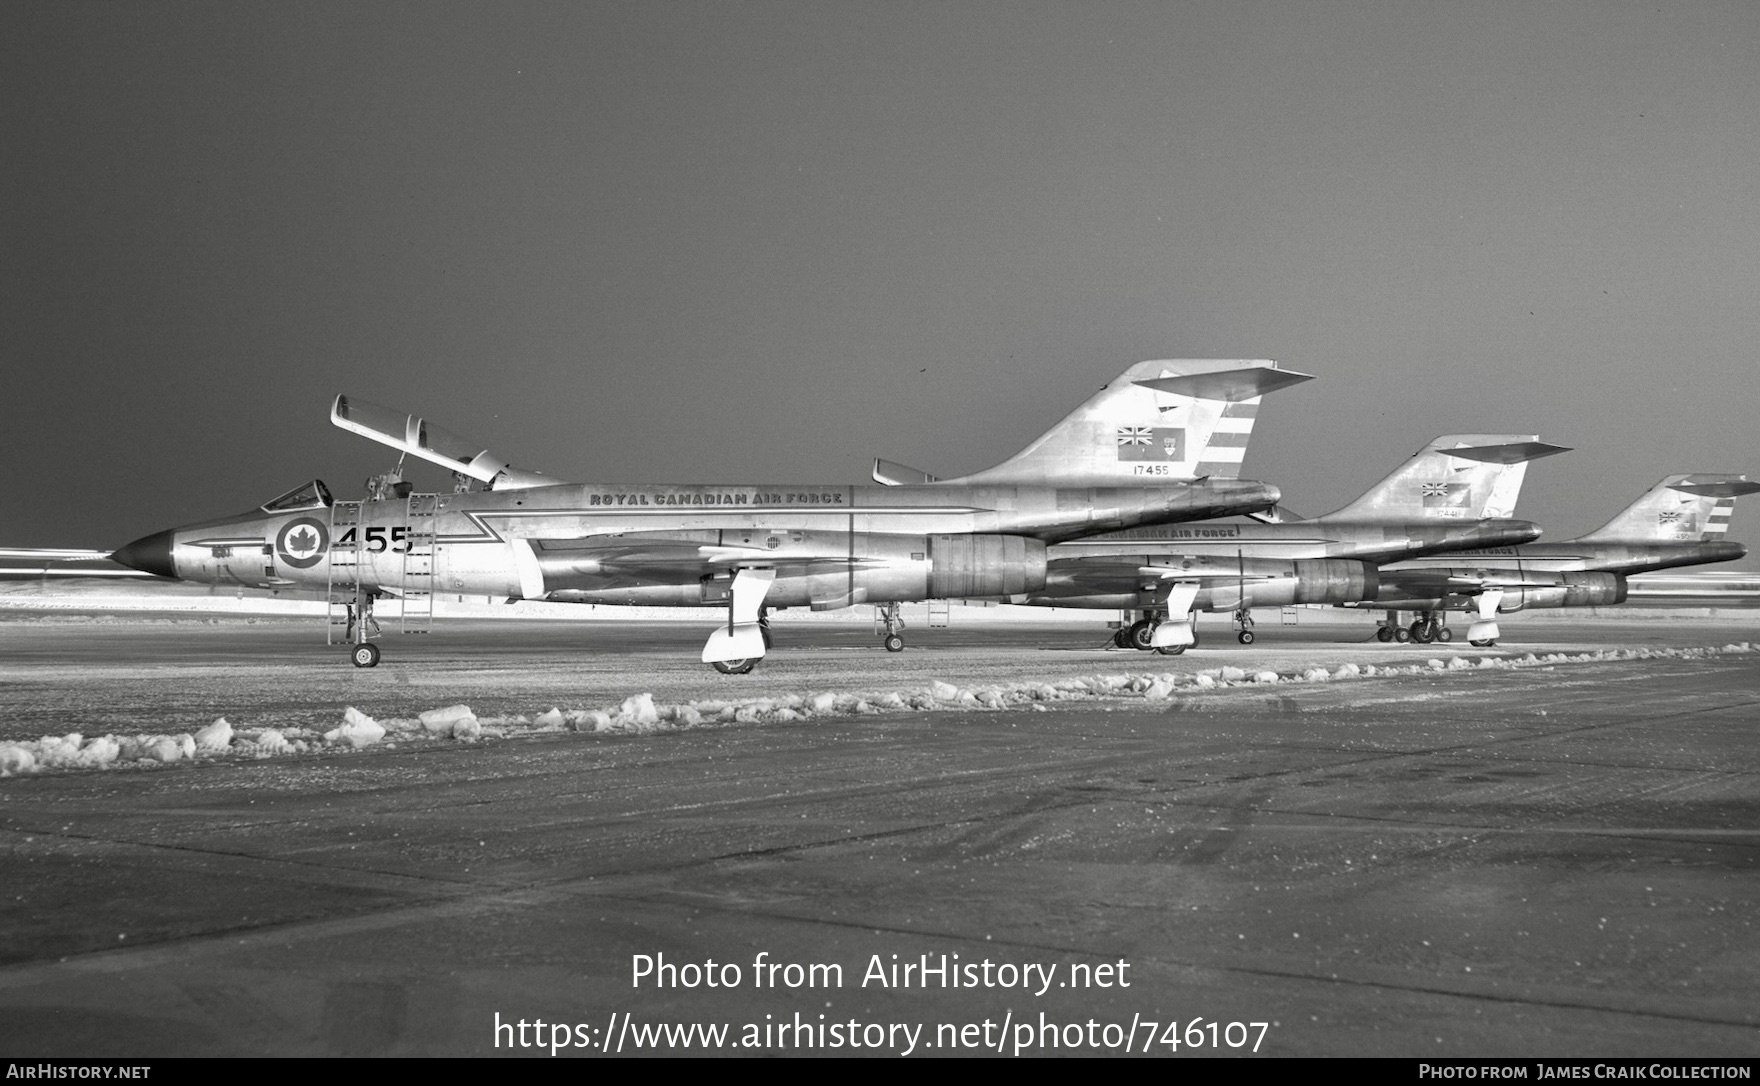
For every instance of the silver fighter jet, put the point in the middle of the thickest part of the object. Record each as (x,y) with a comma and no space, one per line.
(1456,492)
(1133,454)
(1680,521)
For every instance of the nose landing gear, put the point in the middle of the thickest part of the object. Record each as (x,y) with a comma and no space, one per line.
(894,639)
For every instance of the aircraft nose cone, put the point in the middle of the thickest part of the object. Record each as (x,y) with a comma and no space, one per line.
(149,554)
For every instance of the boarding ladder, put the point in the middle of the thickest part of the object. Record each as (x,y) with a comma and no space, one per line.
(418,564)
(343,589)
(940,612)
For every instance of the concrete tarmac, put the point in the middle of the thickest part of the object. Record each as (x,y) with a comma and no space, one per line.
(1558,859)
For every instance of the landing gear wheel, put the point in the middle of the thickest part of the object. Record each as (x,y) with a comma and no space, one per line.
(1122,638)
(1245,637)
(736,667)
(1421,632)
(1444,634)
(1482,644)
(1402,635)
(764,628)
(1383,634)
(365,654)
(1140,633)
(894,643)
(1172,650)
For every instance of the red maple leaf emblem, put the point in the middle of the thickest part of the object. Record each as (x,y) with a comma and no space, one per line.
(302,541)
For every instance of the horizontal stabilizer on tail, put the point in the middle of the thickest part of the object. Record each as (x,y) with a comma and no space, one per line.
(1228,386)
(416,436)
(1513,453)
(1731,489)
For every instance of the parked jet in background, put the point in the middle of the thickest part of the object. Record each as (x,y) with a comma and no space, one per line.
(1131,455)
(1455,493)
(1701,588)
(1680,521)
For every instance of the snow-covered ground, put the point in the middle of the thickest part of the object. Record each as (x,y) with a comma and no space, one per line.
(641,713)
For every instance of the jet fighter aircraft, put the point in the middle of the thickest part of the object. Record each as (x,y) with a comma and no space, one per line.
(1681,521)
(1133,454)
(1455,493)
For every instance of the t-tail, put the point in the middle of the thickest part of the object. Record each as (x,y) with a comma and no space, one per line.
(1679,509)
(1167,421)
(1455,477)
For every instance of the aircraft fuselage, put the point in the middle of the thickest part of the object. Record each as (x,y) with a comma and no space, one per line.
(564,541)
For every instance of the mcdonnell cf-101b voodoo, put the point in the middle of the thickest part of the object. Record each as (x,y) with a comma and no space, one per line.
(1681,521)
(1456,492)
(1158,444)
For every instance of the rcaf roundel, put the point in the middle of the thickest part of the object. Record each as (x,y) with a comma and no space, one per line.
(301,543)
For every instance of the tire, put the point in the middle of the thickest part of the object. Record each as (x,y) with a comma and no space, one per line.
(1245,637)
(736,667)
(1383,634)
(1122,638)
(1140,633)
(1421,633)
(1444,634)
(1402,635)
(365,654)
(1171,650)
(764,628)
(1480,644)
(894,643)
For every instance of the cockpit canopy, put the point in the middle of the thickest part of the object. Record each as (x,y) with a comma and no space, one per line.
(312,495)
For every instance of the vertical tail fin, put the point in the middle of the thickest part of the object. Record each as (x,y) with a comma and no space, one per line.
(1679,509)
(1161,421)
(1455,477)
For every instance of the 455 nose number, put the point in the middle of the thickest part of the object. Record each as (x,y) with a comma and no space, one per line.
(376,539)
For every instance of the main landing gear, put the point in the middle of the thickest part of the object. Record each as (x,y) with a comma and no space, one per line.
(1140,635)
(1430,626)
(1427,627)
(1391,630)
(742,665)
(737,647)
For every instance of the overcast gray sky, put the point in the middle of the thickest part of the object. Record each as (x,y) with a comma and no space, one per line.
(766,242)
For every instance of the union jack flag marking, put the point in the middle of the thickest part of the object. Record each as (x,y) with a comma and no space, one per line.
(1135,435)
(1435,490)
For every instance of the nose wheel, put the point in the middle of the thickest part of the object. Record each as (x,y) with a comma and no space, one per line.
(359,625)
(894,639)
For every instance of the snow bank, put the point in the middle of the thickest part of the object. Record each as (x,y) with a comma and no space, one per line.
(640,714)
